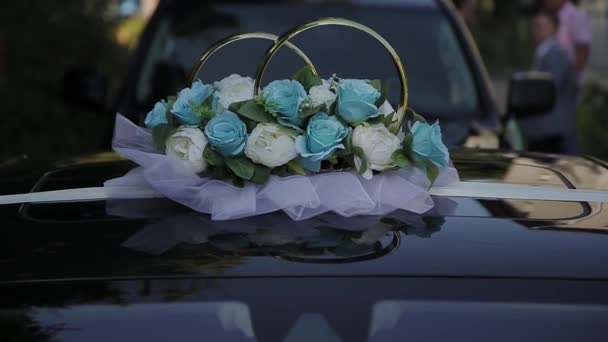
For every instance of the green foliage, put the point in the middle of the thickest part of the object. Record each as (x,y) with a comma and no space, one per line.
(241,167)
(358,151)
(408,140)
(307,78)
(400,159)
(432,171)
(296,167)
(160,134)
(250,109)
(213,158)
(591,121)
(377,84)
(205,110)
(260,174)
(312,111)
(384,90)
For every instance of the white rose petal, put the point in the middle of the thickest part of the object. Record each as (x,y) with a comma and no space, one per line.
(386,109)
(378,145)
(186,146)
(321,94)
(234,88)
(271,145)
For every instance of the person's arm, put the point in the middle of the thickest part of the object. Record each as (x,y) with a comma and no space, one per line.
(581,34)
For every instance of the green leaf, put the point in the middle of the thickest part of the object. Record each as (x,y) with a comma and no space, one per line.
(206,113)
(333,160)
(212,157)
(168,114)
(348,142)
(281,171)
(219,172)
(307,78)
(407,145)
(160,134)
(250,109)
(400,159)
(296,167)
(432,171)
(376,84)
(311,111)
(260,174)
(381,119)
(333,109)
(386,85)
(241,167)
(416,116)
(358,151)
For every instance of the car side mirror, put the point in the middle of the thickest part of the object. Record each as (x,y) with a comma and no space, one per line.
(85,87)
(531,93)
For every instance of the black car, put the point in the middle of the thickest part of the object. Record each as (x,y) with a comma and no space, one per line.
(472,269)
(447,79)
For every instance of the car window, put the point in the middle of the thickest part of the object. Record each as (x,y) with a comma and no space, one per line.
(440,80)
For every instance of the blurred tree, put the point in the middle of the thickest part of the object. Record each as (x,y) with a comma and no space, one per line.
(41,39)
(591,121)
(501,30)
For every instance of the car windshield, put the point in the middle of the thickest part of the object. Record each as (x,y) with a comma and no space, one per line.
(440,81)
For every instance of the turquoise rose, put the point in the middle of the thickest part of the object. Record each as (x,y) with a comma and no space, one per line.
(428,145)
(324,135)
(227,134)
(283,99)
(356,101)
(157,116)
(188,99)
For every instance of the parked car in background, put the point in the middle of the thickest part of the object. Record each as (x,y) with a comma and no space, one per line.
(447,78)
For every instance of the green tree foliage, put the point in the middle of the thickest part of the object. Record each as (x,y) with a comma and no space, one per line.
(40,39)
(591,121)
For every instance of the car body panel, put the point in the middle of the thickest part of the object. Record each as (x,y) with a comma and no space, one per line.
(467,238)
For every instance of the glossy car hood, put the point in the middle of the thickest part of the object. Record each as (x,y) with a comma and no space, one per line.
(462,237)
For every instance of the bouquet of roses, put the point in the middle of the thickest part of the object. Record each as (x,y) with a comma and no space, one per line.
(298,126)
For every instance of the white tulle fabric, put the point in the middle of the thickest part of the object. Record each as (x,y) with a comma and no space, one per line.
(301,197)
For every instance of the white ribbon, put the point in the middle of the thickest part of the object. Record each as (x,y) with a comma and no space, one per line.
(459,189)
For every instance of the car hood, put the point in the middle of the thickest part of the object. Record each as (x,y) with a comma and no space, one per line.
(461,237)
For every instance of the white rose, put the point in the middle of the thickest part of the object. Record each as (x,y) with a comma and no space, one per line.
(321,94)
(271,145)
(234,88)
(378,145)
(187,146)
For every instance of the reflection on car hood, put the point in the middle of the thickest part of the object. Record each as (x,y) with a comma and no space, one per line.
(461,237)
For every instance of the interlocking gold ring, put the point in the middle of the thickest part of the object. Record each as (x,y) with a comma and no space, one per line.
(284,39)
(235,38)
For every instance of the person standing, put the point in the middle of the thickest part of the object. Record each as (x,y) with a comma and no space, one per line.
(555,131)
(574,33)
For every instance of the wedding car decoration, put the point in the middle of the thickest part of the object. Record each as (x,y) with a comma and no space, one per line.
(305,145)
(299,126)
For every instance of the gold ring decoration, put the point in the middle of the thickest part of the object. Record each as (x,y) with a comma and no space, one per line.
(284,39)
(235,38)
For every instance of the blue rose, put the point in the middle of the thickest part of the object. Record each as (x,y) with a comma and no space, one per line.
(157,116)
(324,135)
(428,145)
(357,101)
(283,99)
(227,134)
(188,99)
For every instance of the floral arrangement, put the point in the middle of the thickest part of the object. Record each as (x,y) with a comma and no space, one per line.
(297,126)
